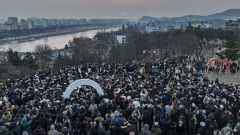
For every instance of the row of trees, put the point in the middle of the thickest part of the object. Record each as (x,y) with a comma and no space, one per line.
(16,65)
(15,59)
(139,47)
(231,51)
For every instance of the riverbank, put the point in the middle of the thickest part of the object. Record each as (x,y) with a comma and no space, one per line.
(58,41)
(59,32)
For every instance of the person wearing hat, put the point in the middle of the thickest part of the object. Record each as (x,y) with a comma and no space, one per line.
(156,130)
(25,133)
(117,122)
(52,131)
(202,128)
(200,117)
(227,129)
(181,128)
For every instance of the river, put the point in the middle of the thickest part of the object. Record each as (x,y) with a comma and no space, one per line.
(55,42)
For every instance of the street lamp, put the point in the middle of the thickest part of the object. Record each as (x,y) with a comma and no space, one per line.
(144,51)
(154,52)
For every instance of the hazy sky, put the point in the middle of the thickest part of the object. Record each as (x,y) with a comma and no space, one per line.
(130,9)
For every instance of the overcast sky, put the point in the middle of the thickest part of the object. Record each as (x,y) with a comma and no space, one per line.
(130,9)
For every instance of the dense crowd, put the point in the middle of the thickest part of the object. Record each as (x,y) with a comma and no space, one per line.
(152,99)
(222,68)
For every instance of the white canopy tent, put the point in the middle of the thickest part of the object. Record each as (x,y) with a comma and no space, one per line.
(81,82)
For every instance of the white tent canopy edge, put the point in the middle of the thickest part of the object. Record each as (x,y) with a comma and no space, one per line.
(81,82)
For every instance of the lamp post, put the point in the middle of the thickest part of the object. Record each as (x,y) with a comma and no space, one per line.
(144,52)
(154,52)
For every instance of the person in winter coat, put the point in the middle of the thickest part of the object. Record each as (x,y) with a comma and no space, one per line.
(67,126)
(172,129)
(165,123)
(133,119)
(226,129)
(15,128)
(117,120)
(26,124)
(99,118)
(158,114)
(52,131)
(145,130)
(25,133)
(236,130)
(39,131)
(181,128)
(3,130)
(200,117)
(156,130)
(192,126)
(77,126)
(101,131)
(216,132)
(147,116)
(202,129)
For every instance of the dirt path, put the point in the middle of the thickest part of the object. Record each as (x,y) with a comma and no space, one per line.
(224,77)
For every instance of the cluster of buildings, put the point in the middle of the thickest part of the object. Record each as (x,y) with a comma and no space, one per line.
(158,26)
(233,24)
(107,21)
(13,23)
(164,27)
(31,23)
(120,39)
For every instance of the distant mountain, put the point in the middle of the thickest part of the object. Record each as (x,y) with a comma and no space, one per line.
(226,15)
(147,19)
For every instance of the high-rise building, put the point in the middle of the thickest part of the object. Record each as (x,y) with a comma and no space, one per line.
(13,21)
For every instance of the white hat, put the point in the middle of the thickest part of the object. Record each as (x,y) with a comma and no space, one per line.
(202,124)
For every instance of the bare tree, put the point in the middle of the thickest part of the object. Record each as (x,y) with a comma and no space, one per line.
(82,49)
(43,53)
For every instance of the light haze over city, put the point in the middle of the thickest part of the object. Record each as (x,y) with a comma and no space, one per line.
(129,9)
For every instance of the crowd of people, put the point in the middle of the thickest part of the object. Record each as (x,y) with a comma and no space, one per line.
(222,68)
(165,98)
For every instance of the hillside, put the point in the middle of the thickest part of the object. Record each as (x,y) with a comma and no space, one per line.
(226,15)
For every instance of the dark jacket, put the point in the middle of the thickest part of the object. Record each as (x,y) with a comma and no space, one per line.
(172,130)
(26,124)
(165,123)
(3,130)
(39,131)
(156,130)
(101,131)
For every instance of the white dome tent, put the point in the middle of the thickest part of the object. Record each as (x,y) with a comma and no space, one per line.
(81,82)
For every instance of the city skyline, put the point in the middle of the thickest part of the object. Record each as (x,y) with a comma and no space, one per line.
(129,9)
